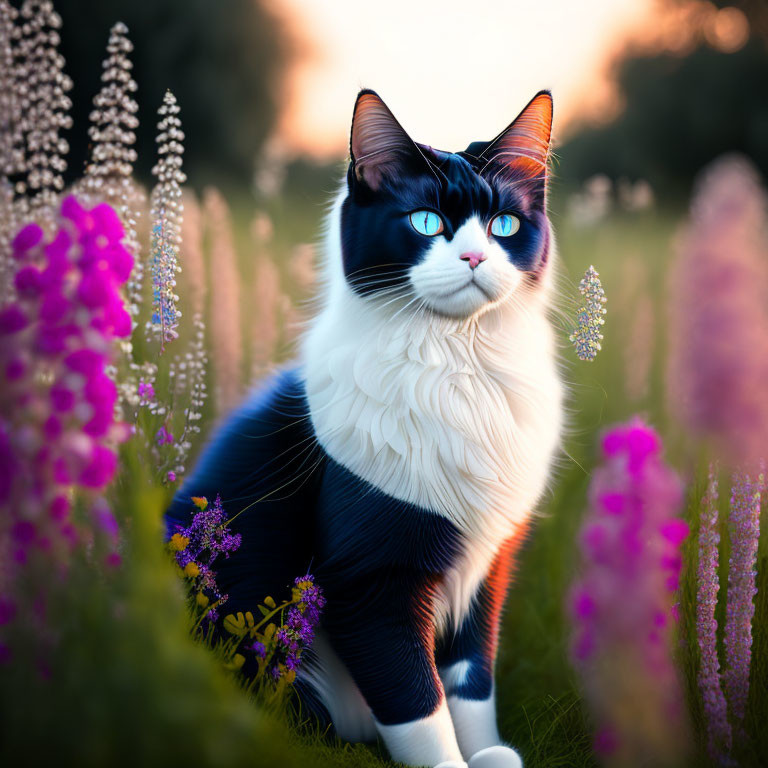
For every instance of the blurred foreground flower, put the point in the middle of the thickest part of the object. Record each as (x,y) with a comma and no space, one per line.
(718,352)
(622,604)
(57,426)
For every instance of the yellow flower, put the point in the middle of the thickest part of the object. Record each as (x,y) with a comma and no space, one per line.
(200,502)
(191,569)
(202,600)
(178,543)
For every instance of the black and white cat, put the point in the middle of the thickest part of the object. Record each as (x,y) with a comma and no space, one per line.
(404,453)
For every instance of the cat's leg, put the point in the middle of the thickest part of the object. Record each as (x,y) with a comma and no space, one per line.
(467,660)
(386,641)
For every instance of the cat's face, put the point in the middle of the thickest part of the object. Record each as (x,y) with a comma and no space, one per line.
(453,233)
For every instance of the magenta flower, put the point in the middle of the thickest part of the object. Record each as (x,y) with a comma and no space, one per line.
(58,432)
(622,604)
(718,361)
(740,609)
(163,436)
(715,709)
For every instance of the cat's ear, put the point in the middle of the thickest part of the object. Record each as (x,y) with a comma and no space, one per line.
(379,146)
(521,151)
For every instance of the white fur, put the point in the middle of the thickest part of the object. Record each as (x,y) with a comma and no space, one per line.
(474,721)
(450,287)
(423,742)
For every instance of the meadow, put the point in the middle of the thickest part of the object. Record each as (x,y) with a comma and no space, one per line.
(99,662)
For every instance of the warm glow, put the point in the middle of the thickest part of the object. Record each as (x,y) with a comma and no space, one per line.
(451,73)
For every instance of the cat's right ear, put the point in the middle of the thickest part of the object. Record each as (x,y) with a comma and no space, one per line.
(379,146)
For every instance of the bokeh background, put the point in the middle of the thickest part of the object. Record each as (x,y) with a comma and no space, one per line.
(647,93)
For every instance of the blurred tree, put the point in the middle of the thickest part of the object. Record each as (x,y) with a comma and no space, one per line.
(223,60)
(680,113)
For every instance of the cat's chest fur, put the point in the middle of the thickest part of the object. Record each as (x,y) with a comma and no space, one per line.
(461,419)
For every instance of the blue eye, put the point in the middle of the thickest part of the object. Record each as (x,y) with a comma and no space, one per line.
(426,223)
(504,225)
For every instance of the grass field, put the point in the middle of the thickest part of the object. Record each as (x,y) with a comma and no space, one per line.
(147,694)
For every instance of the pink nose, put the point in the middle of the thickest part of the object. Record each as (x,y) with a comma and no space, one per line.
(473,257)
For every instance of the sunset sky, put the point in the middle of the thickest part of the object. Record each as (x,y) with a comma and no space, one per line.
(452,72)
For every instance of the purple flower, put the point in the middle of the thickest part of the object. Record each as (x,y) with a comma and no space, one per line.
(718,351)
(715,709)
(621,604)
(209,536)
(745,532)
(146,391)
(163,436)
(57,421)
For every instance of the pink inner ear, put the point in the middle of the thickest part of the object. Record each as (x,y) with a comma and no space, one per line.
(524,147)
(378,140)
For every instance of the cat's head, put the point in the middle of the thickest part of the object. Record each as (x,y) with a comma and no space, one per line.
(456,233)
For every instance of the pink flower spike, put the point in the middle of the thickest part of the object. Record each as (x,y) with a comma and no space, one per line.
(621,604)
(12,320)
(675,531)
(72,210)
(101,468)
(108,223)
(26,239)
(28,282)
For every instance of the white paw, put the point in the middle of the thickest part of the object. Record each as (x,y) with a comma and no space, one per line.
(451,764)
(496,757)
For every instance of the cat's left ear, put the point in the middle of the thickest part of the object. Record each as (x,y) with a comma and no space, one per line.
(520,153)
(379,146)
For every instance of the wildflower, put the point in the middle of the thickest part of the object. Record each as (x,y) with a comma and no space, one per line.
(178,543)
(163,436)
(166,222)
(715,709)
(207,537)
(43,109)
(58,431)
(196,280)
(225,299)
(146,391)
(621,605)
(744,526)
(108,172)
(718,351)
(587,336)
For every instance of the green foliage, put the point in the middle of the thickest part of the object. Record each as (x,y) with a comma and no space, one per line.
(221,59)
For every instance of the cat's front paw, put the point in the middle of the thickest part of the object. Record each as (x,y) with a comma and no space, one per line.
(451,764)
(496,757)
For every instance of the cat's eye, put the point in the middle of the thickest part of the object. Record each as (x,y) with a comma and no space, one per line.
(505,225)
(426,223)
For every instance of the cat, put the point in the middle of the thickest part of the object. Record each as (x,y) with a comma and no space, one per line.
(401,458)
